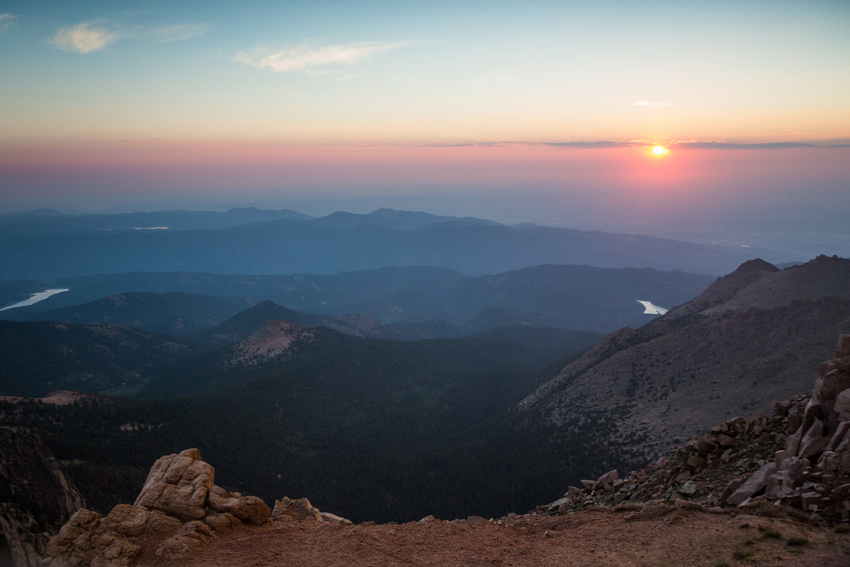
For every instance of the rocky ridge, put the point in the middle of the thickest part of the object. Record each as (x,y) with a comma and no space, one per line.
(179,510)
(797,458)
(722,354)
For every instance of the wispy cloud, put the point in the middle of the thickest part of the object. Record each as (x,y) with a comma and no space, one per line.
(167,34)
(755,146)
(86,37)
(307,59)
(611,144)
(7,20)
(650,104)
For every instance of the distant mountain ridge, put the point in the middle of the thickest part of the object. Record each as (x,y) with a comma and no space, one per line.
(171,313)
(48,248)
(407,303)
(750,338)
(43,223)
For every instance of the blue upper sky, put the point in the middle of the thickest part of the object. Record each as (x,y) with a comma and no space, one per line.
(426,72)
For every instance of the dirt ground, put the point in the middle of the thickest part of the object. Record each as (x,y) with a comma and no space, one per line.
(588,538)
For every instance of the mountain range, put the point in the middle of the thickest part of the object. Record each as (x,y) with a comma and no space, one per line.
(249,241)
(412,302)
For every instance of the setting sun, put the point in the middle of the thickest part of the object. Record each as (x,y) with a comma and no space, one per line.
(660,150)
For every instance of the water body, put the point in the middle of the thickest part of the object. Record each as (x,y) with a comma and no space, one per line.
(36,297)
(652,309)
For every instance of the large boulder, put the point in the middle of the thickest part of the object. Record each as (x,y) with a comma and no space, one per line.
(249,509)
(753,485)
(167,516)
(178,485)
(86,540)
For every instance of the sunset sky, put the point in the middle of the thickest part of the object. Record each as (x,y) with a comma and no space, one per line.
(526,111)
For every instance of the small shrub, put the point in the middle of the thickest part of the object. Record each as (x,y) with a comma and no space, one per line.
(797,541)
(772,534)
(842,529)
(741,554)
(722,564)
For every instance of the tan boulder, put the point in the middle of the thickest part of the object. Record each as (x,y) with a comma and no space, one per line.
(75,536)
(127,520)
(86,540)
(299,509)
(191,537)
(222,522)
(160,522)
(249,509)
(178,485)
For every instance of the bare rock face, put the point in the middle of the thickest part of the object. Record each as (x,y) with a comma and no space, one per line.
(178,511)
(36,498)
(798,457)
(178,485)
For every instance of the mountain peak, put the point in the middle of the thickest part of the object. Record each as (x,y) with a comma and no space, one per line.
(726,287)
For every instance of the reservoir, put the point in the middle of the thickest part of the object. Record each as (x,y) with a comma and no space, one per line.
(36,297)
(652,309)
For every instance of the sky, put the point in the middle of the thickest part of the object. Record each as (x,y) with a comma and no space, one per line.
(517,111)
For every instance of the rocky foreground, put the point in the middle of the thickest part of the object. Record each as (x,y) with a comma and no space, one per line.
(774,490)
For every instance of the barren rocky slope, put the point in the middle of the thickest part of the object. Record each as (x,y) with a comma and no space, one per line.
(752,337)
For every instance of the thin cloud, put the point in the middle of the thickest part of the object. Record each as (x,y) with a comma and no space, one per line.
(7,20)
(678,144)
(649,104)
(755,146)
(86,37)
(168,34)
(306,58)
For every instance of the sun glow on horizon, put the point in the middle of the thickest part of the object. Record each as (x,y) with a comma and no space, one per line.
(660,151)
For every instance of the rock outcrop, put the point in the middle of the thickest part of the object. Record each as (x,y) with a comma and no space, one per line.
(36,498)
(798,457)
(179,510)
(178,485)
